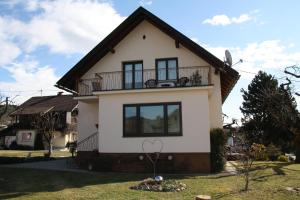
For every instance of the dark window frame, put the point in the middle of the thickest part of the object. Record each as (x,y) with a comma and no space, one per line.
(167,68)
(138,126)
(133,63)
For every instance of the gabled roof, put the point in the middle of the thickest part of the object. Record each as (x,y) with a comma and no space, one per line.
(68,82)
(35,105)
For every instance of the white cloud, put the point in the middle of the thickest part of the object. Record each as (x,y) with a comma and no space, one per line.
(265,55)
(65,26)
(271,56)
(225,20)
(9,50)
(29,78)
(145,2)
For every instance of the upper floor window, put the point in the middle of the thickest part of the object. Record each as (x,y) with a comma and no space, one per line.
(133,75)
(166,69)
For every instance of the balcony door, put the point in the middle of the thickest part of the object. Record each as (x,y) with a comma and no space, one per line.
(166,69)
(133,75)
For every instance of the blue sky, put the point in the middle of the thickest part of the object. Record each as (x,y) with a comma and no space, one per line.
(41,40)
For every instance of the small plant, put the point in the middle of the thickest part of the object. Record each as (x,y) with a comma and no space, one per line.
(283,158)
(196,78)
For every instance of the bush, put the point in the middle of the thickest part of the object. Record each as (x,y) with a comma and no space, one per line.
(217,152)
(72,146)
(283,158)
(13,145)
(258,151)
(273,152)
(47,155)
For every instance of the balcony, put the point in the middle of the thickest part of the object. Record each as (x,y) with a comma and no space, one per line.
(145,79)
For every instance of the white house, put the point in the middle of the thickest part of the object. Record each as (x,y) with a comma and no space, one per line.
(146,83)
(24,133)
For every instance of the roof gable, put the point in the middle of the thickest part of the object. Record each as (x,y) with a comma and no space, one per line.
(34,105)
(68,82)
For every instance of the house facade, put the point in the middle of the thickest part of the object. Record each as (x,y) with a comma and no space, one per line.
(147,88)
(24,133)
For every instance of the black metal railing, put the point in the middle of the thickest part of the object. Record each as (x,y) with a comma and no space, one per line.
(147,78)
(90,143)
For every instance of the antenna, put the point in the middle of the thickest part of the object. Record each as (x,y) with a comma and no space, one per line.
(228,58)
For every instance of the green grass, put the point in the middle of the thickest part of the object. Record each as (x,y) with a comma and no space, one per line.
(18,153)
(269,182)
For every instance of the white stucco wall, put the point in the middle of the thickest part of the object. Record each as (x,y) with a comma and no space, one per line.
(59,140)
(195,121)
(156,45)
(29,142)
(201,110)
(215,103)
(87,118)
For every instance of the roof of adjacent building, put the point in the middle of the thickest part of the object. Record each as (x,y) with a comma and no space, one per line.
(68,82)
(42,104)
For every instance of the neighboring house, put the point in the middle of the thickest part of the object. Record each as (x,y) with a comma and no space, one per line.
(25,134)
(147,81)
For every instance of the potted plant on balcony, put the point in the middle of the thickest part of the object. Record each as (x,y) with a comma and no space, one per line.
(196,78)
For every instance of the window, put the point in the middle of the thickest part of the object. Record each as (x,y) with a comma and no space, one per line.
(166,69)
(155,119)
(26,136)
(133,75)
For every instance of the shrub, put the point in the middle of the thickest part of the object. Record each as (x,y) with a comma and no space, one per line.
(258,151)
(217,152)
(13,145)
(273,152)
(47,155)
(72,146)
(283,158)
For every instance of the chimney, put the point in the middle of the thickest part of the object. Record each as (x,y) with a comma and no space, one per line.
(59,93)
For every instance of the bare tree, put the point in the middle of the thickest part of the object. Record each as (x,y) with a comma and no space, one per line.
(4,106)
(46,124)
(248,153)
(293,71)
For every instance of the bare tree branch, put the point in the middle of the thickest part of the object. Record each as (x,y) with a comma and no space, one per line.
(295,68)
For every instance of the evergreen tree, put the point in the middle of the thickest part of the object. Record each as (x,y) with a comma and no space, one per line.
(270,114)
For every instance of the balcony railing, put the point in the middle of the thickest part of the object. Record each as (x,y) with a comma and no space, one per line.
(147,78)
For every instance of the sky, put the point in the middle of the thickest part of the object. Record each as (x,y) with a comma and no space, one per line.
(41,40)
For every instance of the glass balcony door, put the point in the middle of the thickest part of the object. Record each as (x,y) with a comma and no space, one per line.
(133,75)
(166,69)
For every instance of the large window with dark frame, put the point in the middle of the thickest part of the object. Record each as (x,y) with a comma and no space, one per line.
(166,69)
(155,119)
(133,75)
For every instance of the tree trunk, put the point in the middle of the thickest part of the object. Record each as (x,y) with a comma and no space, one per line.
(297,154)
(50,148)
(247,183)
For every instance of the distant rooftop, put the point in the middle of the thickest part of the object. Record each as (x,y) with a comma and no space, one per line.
(36,105)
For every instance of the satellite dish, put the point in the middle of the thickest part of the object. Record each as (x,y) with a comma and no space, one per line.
(228,58)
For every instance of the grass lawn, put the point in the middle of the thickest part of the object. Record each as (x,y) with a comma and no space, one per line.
(269,182)
(18,153)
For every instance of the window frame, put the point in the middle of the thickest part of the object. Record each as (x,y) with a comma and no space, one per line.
(167,68)
(133,63)
(139,132)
